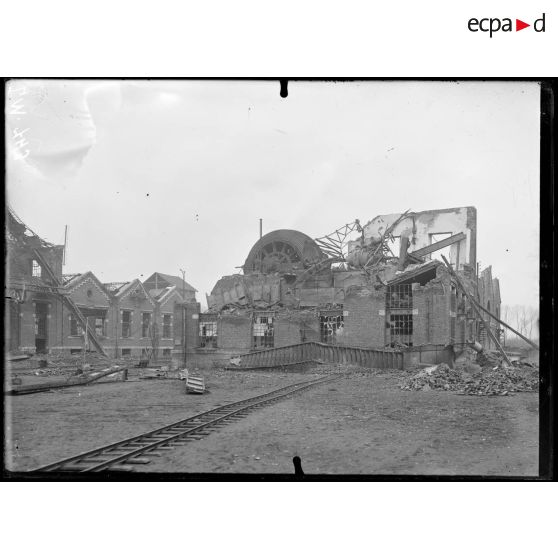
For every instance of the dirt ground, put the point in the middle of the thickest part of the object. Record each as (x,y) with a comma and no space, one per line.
(361,424)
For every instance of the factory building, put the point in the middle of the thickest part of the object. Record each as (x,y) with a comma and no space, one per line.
(378,285)
(407,282)
(48,312)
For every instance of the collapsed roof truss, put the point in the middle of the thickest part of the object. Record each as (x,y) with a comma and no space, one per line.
(335,244)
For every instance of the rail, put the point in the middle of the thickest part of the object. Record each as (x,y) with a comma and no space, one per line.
(121,456)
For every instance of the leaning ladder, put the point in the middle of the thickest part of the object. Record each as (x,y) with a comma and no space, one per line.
(70,303)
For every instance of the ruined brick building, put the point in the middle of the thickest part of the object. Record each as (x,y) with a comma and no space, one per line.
(48,311)
(372,286)
(378,285)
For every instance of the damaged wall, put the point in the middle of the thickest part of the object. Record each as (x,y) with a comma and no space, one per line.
(419,226)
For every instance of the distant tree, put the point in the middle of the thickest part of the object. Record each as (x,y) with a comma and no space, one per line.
(522,318)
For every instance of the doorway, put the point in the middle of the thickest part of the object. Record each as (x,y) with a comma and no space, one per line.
(41,327)
(14,327)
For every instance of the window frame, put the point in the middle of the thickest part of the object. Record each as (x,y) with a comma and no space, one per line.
(208,341)
(127,322)
(143,324)
(76,327)
(267,340)
(36,269)
(168,331)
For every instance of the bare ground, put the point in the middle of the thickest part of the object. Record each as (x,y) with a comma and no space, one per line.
(361,424)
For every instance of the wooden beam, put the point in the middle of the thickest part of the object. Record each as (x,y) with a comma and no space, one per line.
(534,345)
(477,311)
(438,245)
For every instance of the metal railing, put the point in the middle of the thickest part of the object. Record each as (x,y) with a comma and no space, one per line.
(313,350)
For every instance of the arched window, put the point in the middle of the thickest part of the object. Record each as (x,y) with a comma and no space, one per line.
(36,269)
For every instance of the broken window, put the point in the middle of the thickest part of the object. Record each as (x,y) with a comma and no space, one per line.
(145,324)
(75,327)
(36,269)
(208,334)
(401,329)
(100,326)
(329,326)
(263,331)
(167,326)
(399,309)
(126,323)
(462,304)
(453,310)
(166,352)
(399,296)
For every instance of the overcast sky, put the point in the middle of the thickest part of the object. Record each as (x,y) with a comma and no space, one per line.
(158,176)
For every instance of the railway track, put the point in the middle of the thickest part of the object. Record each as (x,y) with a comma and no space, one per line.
(122,456)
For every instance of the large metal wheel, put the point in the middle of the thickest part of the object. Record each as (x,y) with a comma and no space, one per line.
(283,251)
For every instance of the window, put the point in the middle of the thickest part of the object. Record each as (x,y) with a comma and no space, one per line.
(263,330)
(75,327)
(329,325)
(166,352)
(126,323)
(208,334)
(167,326)
(75,351)
(100,326)
(145,324)
(41,312)
(126,352)
(453,310)
(36,269)
(401,329)
(399,296)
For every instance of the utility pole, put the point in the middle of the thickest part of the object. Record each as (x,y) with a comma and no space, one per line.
(65,245)
(260,254)
(183,317)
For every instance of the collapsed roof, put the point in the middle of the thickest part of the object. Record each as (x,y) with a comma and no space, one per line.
(286,268)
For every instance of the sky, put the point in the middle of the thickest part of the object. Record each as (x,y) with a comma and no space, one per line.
(169,175)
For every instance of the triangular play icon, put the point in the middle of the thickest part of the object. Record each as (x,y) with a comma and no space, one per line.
(519,25)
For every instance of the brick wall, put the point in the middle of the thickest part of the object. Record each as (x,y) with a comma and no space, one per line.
(286,332)
(235,332)
(364,318)
(311,328)
(192,324)
(431,319)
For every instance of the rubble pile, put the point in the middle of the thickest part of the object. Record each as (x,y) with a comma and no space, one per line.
(502,380)
(440,376)
(471,379)
(489,358)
